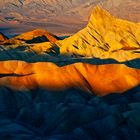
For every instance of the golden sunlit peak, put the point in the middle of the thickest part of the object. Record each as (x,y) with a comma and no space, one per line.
(99,13)
(105,37)
(101,17)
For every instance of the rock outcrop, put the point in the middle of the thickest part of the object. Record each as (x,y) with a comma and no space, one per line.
(3,37)
(95,79)
(35,36)
(105,36)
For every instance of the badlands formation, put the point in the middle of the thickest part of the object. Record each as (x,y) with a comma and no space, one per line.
(105,37)
(95,79)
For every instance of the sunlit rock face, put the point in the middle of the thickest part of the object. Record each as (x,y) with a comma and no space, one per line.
(105,36)
(37,33)
(95,79)
(2,37)
(35,36)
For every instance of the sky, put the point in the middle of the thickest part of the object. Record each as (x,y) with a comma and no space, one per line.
(61,17)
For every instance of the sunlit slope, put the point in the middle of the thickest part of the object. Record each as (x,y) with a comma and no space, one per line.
(2,37)
(35,33)
(96,79)
(105,36)
(35,36)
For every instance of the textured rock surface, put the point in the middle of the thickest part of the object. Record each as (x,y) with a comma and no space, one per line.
(72,114)
(105,37)
(95,79)
(35,36)
(52,99)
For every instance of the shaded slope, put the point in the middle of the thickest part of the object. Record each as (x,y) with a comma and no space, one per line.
(70,114)
(96,79)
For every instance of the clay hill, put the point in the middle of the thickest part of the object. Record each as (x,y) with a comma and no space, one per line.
(2,37)
(95,79)
(35,36)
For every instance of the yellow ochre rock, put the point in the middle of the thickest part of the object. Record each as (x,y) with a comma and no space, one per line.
(105,36)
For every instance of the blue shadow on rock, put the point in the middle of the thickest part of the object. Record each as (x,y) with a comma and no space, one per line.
(69,115)
(20,53)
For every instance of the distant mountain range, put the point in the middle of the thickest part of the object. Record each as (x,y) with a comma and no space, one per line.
(59,16)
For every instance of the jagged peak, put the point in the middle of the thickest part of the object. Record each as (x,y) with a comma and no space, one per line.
(98,14)
(101,17)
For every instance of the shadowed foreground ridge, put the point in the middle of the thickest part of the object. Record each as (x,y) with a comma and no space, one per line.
(71,114)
